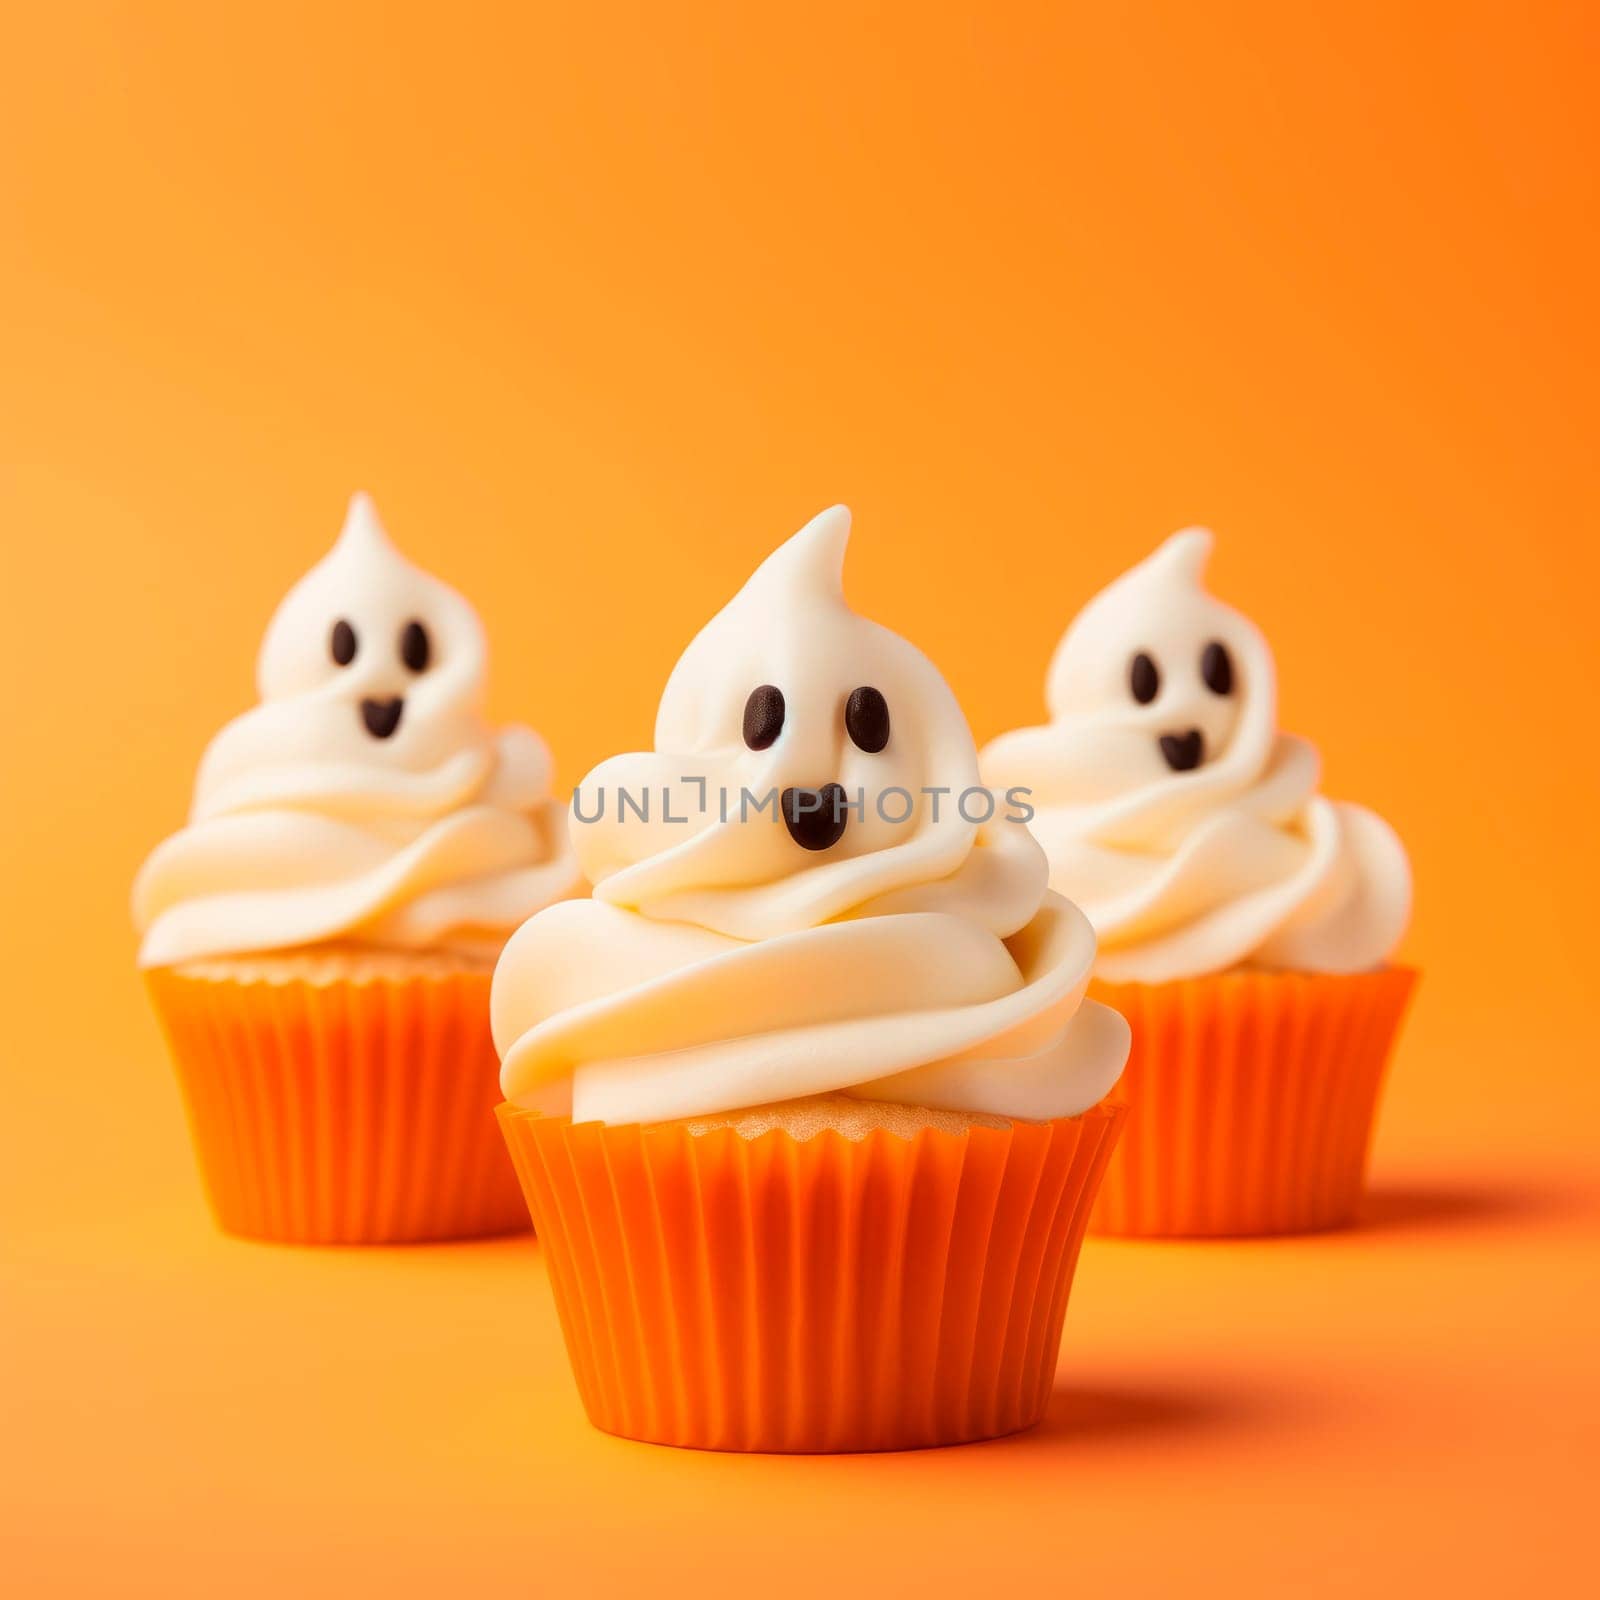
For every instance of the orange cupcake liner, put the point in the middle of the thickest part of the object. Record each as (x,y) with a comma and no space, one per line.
(825,1294)
(1252,1098)
(352,1112)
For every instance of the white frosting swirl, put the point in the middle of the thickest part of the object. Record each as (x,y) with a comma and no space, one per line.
(721,964)
(1186,826)
(367,802)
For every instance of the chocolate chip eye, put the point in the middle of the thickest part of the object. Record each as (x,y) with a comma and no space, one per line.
(415,650)
(1144,679)
(1216,667)
(866,719)
(342,643)
(763,716)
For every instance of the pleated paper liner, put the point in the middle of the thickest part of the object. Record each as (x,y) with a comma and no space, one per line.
(343,1112)
(819,1294)
(1252,1098)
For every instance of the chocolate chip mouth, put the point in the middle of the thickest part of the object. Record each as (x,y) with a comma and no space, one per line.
(382,717)
(815,818)
(1184,751)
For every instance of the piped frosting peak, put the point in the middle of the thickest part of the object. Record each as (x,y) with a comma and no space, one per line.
(818,940)
(1172,809)
(365,799)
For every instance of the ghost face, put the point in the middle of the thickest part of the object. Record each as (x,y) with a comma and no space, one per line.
(816,816)
(788,691)
(826,711)
(1175,680)
(375,655)
(836,717)
(833,727)
(381,716)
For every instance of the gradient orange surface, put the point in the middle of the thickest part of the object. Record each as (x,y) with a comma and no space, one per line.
(600,302)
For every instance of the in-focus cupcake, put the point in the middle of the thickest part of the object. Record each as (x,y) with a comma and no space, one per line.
(1245,923)
(319,939)
(807,1101)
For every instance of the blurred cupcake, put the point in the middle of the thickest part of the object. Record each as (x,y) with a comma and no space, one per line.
(806,1101)
(319,939)
(1244,922)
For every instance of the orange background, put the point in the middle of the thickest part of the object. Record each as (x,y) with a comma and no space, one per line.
(602,302)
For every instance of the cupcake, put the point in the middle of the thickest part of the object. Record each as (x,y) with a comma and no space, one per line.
(1245,923)
(319,940)
(807,1101)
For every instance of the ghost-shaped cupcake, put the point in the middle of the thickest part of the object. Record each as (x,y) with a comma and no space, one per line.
(803,890)
(365,801)
(1173,811)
